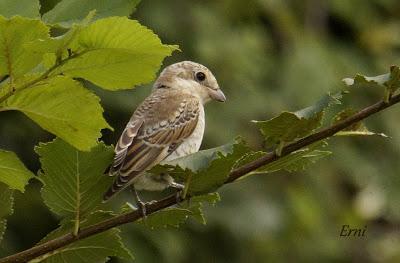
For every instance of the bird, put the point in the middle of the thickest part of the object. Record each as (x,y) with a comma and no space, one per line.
(168,124)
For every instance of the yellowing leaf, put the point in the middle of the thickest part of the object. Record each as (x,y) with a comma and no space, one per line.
(63,107)
(13,172)
(116,53)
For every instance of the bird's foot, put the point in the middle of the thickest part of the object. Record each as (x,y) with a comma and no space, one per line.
(179,194)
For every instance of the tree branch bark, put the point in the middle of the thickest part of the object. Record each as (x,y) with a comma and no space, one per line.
(171,200)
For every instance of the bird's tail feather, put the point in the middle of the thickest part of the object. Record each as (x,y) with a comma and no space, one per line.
(120,183)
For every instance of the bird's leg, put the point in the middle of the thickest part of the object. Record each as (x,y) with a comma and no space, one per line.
(140,204)
(179,191)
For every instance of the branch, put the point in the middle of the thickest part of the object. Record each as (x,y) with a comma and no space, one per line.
(171,200)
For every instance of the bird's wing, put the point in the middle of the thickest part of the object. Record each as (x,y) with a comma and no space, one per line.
(163,121)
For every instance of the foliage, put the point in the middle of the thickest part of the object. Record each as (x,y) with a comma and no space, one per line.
(6,204)
(93,249)
(13,172)
(46,66)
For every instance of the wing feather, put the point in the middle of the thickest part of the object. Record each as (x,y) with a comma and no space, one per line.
(161,123)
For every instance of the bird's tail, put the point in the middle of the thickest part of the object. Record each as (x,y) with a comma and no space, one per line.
(120,183)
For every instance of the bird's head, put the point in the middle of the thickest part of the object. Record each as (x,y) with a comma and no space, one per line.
(191,77)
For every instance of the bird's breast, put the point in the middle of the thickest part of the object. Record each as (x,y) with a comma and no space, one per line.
(193,142)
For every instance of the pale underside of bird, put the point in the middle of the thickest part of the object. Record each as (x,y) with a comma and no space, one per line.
(167,125)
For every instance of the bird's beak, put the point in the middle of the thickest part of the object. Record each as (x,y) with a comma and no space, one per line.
(217,95)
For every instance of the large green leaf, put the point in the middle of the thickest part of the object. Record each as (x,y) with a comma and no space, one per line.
(289,126)
(13,172)
(207,170)
(57,48)
(63,107)
(6,204)
(94,249)
(67,12)
(116,53)
(15,59)
(74,180)
(27,8)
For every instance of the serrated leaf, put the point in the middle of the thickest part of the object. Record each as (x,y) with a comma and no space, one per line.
(169,217)
(295,161)
(289,126)
(74,181)
(56,48)
(6,204)
(208,169)
(15,59)
(13,172)
(94,249)
(305,159)
(390,80)
(63,107)
(116,53)
(67,12)
(360,81)
(3,227)
(356,129)
(196,204)
(174,217)
(26,8)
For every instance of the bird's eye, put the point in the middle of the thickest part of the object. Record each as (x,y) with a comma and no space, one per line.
(200,76)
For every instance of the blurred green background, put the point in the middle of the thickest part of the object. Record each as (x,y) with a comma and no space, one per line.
(268,56)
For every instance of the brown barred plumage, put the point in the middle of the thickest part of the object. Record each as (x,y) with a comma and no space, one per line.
(166,125)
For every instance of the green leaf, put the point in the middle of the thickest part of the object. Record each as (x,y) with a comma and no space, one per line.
(289,126)
(67,12)
(356,129)
(207,169)
(13,172)
(15,59)
(56,49)
(74,181)
(389,80)
(94,249)
(295,161)
(116,53)
(196,204)
(169,217)
(63,107)
(27,8)
(174,217)
(6,204)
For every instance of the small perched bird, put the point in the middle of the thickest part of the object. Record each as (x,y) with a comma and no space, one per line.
(168,124)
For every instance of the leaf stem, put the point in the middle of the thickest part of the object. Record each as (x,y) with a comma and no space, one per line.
(171,200)
(45,75)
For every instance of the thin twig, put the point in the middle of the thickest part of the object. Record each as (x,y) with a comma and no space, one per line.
(171,200)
